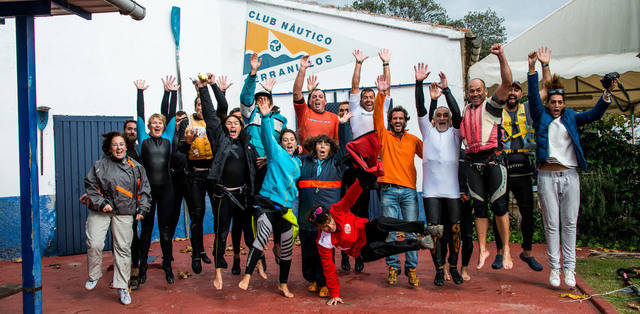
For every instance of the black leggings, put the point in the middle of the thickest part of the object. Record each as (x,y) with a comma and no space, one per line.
(223,211)
(522,188)
(377,231)
(162,199)
(197,188)
(311,263)
(241,222)
(466,231)
(444,211)
(487,184)
(266,223)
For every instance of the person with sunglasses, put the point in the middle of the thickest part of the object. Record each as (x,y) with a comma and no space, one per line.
(559,153)
(440,152)
(272,205)
(338,228)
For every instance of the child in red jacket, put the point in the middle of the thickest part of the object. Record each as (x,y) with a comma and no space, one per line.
(339,228)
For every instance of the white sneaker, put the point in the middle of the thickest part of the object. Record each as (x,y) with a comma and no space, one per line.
(554,277)
(125,297)
(569,277)
(90,284)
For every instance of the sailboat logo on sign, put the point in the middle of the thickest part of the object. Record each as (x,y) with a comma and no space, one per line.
(281,42)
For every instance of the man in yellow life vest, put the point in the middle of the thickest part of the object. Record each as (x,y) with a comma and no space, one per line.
(519,146)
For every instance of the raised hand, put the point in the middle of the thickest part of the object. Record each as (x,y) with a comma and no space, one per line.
(304,62)
(312,82)
(140,84)
(421,71)
(211,79)
(360,57)
(497,49)
(264,106)
(532,57)
(381,83)
(544,54)
(255,63)
(434,91)
(222,82)
(443,81)
(345,118)
(169,83)
(385,55)
(268,84)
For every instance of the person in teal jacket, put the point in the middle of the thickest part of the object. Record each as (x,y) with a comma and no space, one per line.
(272,205)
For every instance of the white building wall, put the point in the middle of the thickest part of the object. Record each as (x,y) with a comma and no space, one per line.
(87,67)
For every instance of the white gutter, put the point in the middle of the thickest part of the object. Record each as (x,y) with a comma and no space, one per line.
(129,7)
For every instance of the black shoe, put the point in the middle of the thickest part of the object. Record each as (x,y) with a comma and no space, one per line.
(531,261)
(235,270)
(455,275)
(359,265)
(142,273)
(497,263)
(345,263)
(196,265)
(168,272)
(439,280)
(205,258)
(134,283)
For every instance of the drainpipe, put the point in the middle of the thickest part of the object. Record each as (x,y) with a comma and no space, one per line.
(129,7)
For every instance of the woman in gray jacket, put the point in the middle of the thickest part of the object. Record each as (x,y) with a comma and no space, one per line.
(117,189)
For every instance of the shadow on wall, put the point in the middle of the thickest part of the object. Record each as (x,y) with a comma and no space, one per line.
(10,243)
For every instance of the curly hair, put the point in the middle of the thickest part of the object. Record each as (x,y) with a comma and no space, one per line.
(106,142)
(396,109)
(310,144)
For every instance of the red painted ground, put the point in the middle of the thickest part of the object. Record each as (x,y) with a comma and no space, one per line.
(517,290)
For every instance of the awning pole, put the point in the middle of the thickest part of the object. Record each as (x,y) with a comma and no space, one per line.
(29,193)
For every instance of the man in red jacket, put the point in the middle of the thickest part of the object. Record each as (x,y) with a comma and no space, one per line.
(339,228)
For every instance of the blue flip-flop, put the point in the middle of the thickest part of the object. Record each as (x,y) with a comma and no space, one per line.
(497,263)
(531,261)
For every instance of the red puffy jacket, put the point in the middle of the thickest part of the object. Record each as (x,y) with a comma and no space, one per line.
(349,236)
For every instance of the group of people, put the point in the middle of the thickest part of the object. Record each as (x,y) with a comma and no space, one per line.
(316,182)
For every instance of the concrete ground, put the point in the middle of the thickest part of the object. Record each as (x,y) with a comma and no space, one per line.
(494,291)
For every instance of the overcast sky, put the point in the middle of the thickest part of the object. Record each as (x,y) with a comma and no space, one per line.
(518,15)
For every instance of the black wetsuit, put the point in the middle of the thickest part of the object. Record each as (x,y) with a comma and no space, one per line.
(155,153)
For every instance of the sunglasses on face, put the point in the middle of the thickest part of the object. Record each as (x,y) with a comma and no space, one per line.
(556,92)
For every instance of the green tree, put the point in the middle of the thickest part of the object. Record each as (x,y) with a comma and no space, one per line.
(486,25)
(418,10)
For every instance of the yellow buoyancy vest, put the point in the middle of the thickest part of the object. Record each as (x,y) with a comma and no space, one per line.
(527,133)
(200,148)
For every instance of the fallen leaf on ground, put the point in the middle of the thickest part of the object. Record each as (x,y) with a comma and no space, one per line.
(580,249)
(574,296)
(54,266)
(610,250)
(186,249)
(229,248)
(183,275)
(181,239)
(634,306)
(17,260)
(597,274)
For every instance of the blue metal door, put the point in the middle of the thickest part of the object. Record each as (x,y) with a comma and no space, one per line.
(77,145)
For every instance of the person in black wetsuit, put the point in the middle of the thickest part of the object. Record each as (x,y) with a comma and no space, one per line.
(232,171)
(200,155)
(155,151)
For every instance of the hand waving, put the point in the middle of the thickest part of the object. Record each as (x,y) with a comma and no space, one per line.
(421,71)
(140,84)
(268,84)
(312,82)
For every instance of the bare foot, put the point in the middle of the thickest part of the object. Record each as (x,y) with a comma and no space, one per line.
(465,274)
(244,283)
(285,290)
(217,281)
(482,257)
(447,275)
(507,262)
(261,270)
